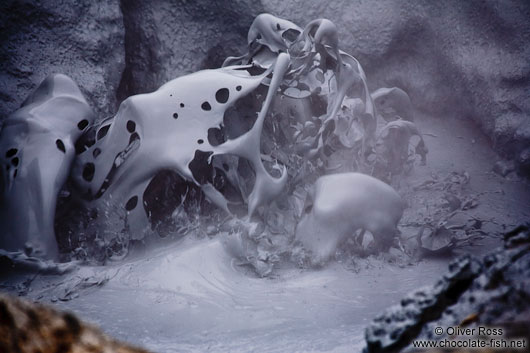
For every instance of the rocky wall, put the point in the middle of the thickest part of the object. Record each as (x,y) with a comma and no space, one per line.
(464,59)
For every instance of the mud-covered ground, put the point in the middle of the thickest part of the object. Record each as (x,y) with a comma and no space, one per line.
(192,296)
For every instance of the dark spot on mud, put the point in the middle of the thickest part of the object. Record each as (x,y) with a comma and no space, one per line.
(206,106)
(123,155)
(88,171)
(60,145)
(200,141)
(131,204)
(238,88)
(200,168)
(134,137)
(165,192)
(216,136)
(240,116)
(131,126)
(222,95)
(256,70)
(86,140)
(182,105)
(11,152)
(103,132)
(82,124)
(175,116)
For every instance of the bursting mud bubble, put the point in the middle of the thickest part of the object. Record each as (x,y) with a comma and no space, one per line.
(311,113)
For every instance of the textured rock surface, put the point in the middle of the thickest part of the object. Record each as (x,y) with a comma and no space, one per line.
(30,327)
(166,39)
(492,292)
(457,58)
(82,39)
(466,59)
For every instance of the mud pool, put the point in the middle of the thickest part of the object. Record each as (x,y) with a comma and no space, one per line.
(191,296)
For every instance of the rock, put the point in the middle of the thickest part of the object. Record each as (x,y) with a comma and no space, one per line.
(83,40)
(392,330)
(466,59)
(493,291)
(164,40)
(28,326)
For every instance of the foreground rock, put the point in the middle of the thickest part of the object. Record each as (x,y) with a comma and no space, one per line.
(28,327)
(491,292)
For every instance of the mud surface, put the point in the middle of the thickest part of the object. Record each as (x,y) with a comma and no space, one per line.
(192,296)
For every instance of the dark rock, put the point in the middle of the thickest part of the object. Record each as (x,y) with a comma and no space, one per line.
(395,328)
(166,39)
(494,292)
(82,39)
